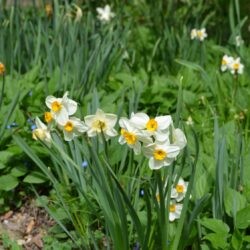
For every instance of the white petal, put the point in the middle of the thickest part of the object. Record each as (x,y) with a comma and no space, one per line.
(139,120)
(164,121)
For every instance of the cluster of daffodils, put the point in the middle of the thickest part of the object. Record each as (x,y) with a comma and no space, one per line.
(155,137)
(178,192)
(198,34)
(105,14)
(232,64)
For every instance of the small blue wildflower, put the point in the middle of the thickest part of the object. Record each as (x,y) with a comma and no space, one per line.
(141,192)
(84,164)
(30,93)
(8,126)
(33,126)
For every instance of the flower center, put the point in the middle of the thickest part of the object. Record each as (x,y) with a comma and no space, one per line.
(160,154)
(199,34)
(56,106)
(99,125)
(236,66)
(224,62)
(129,137)
(179,188)
(152,125)
(69,126)
(172,208)
(48,117)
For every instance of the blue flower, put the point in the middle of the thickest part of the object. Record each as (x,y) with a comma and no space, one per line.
(84,164)
(33,126)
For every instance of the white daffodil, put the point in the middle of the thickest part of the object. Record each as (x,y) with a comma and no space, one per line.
(201,34)
(236,67)
(160,155)
(198,34)
(61,108)
(226,62)
(41,132)
(179,190)
(174,211)
(101,123)
(105,14)
(157,126)
(72,128)
(132,136)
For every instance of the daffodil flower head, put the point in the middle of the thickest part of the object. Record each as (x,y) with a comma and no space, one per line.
(132,136)
(160,155)
(72,128)
(61,108)
(105,14)
(2,69)
(199,34)
(236,67)
(226,62)
(101,123)
(157,126)
(41,132)
(174,211)
(179,190)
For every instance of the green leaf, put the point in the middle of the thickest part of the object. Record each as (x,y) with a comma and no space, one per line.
(217,240)
(35,177)
(5,156)
(18,171)
(236,240)
(243,218)
(215,225)
(233,201)
(8,182)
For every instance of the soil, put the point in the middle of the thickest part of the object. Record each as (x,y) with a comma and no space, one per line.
(26,226)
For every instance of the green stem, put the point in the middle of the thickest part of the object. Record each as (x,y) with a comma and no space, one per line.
(162,210)
(2,91)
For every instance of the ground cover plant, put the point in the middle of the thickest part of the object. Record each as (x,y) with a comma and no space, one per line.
(125,125)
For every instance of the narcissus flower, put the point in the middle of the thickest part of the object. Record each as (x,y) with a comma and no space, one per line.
(174,211)
(101,123)
(157,126)
(199,34)
(2,69)
(41,132)
(226,62)
(179,190)
(132,136)
(236,67)
(160,155)
(105,14)
(72,128)
(61,108)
